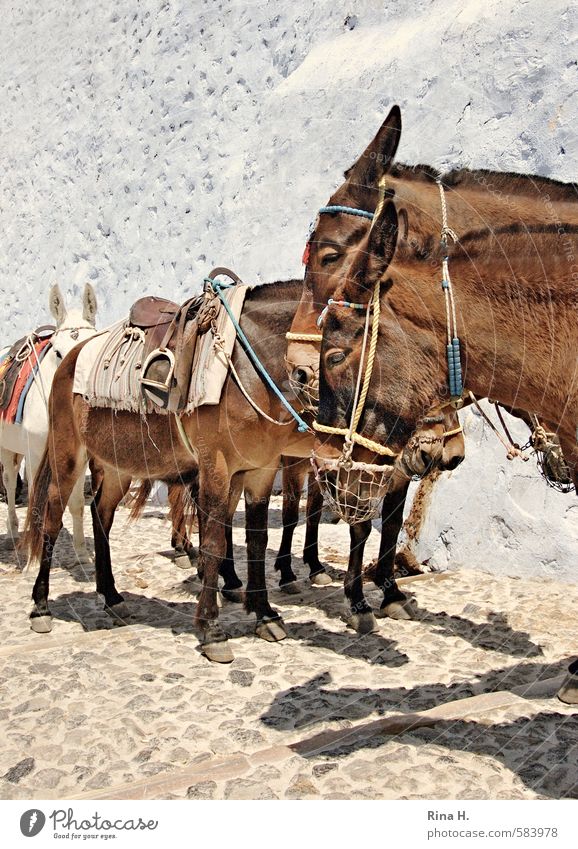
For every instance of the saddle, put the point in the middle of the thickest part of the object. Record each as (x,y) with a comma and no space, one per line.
(12,363)
(170,338)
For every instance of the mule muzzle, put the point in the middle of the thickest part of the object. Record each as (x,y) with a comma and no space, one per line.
(304,382)
(428,450)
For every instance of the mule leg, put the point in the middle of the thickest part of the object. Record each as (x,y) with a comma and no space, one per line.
(293,478)
(63,478)
(76,508)
(360,614)
(112,490)
(232,588)
(258,486)
(185,552)
(213,515)
(317,574)
(10,465)
(395,604)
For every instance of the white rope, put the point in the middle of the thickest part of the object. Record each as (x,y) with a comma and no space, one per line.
(448,233)
(218,344)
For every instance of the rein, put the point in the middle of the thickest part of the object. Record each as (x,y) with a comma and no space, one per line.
(217,289)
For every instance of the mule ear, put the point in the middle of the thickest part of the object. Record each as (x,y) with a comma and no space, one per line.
(382,242)
(376,159)
(375,259)
(89,304)
(56,304)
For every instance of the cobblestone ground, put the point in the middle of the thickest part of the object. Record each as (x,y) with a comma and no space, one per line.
(93,709)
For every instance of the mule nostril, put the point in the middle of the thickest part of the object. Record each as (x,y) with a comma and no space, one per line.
(300,376)
(453,463)
(426,459)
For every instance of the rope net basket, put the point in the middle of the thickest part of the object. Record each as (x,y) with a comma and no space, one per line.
(354,491)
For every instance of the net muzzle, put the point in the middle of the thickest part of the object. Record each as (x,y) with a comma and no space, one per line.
(354,490)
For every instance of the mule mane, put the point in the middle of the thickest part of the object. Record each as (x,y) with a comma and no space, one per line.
(506,182)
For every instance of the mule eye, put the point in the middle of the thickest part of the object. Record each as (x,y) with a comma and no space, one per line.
(334,358)
(330,258)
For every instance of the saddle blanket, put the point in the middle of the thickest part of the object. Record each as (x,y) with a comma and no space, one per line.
(13,409)
(109,366)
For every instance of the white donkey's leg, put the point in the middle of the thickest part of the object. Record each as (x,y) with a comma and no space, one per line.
(76,507)
(10,465)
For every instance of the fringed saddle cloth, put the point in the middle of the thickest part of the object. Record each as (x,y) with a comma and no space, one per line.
(163,358)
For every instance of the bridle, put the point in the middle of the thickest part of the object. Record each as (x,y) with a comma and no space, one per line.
(325,210)
(74,331)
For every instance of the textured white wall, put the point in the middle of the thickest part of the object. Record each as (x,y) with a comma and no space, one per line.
(144,142)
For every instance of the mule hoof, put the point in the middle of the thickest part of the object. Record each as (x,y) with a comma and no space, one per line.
(219,652)
(182,560)
(363,623)
(568,692)
(291,588)
(83,555)
(272,630)
(41,624)
(320,579)
(400,610)
(234,596)
(119,613)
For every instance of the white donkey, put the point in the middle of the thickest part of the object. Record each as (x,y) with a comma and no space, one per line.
(27,440)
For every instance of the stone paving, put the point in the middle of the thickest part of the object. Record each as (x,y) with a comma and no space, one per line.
(97,710)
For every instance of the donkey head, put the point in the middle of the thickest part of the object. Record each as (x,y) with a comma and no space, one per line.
(403,410)
(74,325)
(332,249)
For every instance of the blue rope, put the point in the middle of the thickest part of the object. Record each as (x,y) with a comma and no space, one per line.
(362,213)
(347,304)
(217,287)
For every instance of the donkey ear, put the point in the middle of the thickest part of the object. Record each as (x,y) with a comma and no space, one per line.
(89,304)
(382,242)
(376,159)
(56,304)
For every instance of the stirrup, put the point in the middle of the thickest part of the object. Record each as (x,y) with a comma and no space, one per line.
(157,377)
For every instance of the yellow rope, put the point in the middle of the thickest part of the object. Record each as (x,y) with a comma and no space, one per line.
(304,337)
(357,438)
(351,433)
(370,358)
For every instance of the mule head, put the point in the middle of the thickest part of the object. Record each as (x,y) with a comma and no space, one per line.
(404,410)
(331,250)
(73,325)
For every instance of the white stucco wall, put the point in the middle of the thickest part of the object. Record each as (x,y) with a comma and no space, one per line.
(145,142)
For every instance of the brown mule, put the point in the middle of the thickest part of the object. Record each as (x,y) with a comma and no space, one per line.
(227,456)
(327,260)
(516,299)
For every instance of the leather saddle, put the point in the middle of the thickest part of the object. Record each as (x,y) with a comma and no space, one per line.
(171,332)
(17,355)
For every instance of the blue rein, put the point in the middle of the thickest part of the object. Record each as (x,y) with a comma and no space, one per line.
(217,288)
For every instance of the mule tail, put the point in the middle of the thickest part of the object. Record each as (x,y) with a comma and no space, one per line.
(32,540)
(183,508)
(137,500)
